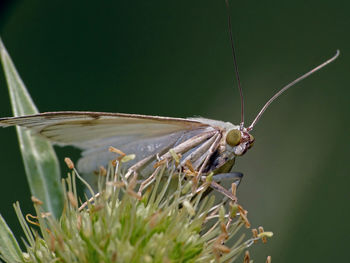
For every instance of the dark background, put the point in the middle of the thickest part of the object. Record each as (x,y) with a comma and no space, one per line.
(172,58)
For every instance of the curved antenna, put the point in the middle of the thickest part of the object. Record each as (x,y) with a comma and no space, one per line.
(235,65)
(288,86)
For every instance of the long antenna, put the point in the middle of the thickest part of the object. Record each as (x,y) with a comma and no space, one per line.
(288,86)
(235,64)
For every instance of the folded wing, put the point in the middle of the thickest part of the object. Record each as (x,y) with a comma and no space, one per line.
(94,132)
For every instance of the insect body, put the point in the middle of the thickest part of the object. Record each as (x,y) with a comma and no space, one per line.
(208,144)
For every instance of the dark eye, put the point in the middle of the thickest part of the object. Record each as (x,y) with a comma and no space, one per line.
(233,137)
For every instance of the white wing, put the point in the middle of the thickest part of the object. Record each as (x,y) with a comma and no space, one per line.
(94,132)
(78,128)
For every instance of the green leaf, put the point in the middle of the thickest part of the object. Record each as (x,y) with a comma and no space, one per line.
(9,248)
(40,161)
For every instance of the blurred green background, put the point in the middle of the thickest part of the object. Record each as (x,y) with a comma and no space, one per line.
(173,58)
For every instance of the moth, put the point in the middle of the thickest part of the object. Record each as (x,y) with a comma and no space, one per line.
(208,145)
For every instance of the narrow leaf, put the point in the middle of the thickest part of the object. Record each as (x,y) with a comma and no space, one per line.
(9,248)
(40,161)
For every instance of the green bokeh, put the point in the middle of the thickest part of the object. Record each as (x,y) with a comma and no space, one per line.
(172,58)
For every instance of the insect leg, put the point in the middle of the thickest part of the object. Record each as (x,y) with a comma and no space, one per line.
(211,151)
(221,189)
(148,181)
(190,143)
(198,153)
(181,148)
(139,165)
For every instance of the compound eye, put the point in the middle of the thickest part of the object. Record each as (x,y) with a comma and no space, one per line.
(233,137)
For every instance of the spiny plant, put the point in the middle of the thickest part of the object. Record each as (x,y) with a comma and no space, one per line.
(168,222)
